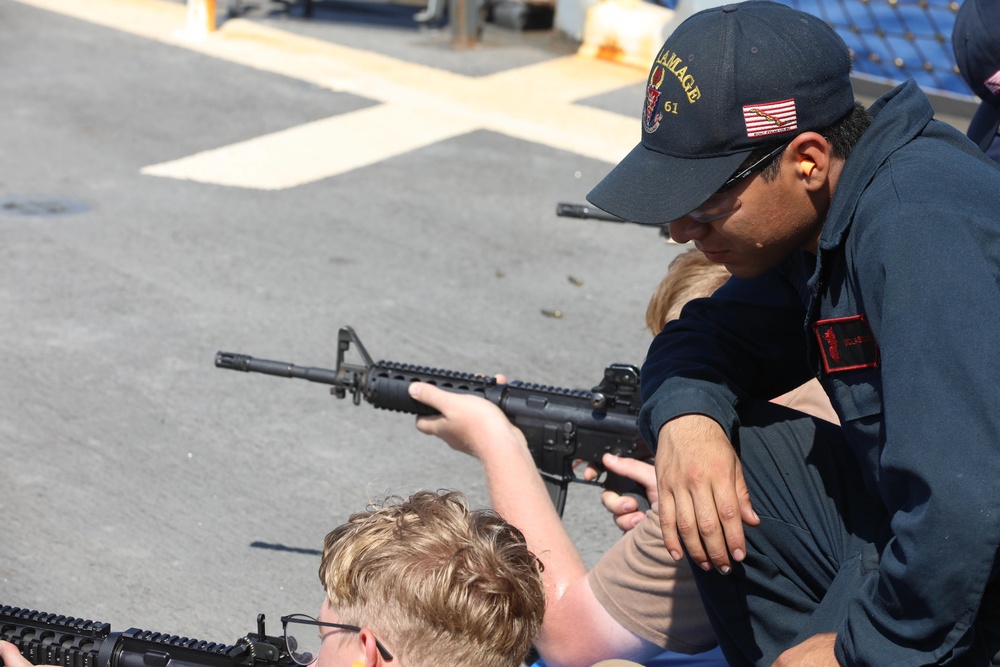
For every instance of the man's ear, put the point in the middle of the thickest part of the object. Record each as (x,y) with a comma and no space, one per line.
(372,656)
(812,159)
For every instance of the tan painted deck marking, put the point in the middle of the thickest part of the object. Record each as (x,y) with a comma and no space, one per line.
(420,105)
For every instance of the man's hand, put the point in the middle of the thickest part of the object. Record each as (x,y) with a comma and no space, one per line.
(703,497)
(11,657)
(817,651)
(468,423)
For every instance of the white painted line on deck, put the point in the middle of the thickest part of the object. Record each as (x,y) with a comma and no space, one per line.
(313,151)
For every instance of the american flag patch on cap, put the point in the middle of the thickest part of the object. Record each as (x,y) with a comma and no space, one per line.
(993,83)
(764,119)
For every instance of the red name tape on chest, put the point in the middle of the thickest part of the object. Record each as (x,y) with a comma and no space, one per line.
(846,344)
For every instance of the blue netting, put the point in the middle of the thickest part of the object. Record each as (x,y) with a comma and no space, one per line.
(893,39)
(896,39)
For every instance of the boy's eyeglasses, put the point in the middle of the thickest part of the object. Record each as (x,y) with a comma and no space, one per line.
(303,639)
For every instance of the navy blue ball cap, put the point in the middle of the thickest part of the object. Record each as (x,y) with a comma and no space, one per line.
(976,40)
(727,81)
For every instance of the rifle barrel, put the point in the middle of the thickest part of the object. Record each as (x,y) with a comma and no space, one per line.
(248,364)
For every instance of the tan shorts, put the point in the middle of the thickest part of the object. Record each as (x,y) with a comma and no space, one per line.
(651,594)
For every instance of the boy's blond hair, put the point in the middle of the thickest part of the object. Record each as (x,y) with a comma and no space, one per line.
(437,583)
(689,276)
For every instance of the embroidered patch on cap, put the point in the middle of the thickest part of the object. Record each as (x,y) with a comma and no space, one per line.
(650,117)
(993,83)
(771,118)
(846,343)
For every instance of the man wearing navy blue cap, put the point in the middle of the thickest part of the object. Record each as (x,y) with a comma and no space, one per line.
(976,40)
(865,249)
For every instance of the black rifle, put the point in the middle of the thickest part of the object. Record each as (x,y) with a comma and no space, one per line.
(567,210)
(561,425)
(51,639)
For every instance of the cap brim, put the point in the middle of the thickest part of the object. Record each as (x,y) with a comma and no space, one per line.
(984,124)
(652,188)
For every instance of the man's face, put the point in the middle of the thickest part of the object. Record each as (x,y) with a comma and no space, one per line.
(773,219)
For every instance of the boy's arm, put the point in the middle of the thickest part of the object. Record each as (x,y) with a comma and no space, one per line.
(577,630)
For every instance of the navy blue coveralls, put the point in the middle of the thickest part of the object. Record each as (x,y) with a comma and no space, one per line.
(885,531)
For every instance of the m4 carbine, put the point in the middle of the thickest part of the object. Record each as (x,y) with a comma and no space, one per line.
(560,425)
(51,639)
